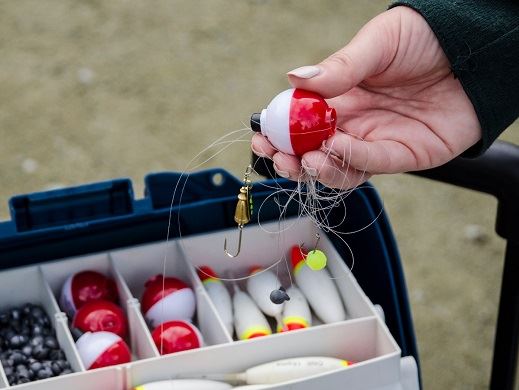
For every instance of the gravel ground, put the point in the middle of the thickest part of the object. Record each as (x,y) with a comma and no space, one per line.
(92,90)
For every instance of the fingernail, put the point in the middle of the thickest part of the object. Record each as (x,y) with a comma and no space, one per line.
(280,172)
(309,170)
(305,72)
(259,154)
(330,151)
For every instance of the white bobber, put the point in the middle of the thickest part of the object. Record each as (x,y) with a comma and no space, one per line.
(102,349)
(167,299)
(296,121)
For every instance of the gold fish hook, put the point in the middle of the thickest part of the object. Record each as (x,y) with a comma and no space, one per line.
(239,245)
(243,212)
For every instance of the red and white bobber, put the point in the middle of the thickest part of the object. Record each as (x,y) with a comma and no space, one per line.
(296,121)
(101,315)
(102,349)
(176,336)
(166,299)
(86,286)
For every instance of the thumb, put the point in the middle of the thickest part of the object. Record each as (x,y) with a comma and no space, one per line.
(369,53)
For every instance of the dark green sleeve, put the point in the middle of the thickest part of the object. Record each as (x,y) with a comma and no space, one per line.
(481,41)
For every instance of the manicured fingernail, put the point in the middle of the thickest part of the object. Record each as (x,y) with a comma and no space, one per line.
(259,154)
(305,72)
(280,172)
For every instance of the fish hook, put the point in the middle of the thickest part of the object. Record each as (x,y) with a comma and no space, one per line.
(243,212)
(239,244)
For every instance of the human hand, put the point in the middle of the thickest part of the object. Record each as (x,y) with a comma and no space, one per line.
(399,107)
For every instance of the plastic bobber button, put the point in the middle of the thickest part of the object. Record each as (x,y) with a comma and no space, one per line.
(316,260)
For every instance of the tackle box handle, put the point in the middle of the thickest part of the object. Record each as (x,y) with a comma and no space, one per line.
(496,172)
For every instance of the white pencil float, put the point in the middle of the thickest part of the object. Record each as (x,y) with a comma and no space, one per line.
(184,384)
(318,288)
(282,370)
(249,321)
(296,313)
(219,295)
(260,285)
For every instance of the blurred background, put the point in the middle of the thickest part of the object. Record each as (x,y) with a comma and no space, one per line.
(92,90)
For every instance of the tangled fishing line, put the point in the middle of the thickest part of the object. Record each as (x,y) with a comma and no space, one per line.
(314,201)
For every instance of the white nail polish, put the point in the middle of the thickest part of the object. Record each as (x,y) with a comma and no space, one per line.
(305,72)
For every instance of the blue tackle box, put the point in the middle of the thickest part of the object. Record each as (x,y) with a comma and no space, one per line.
(102,227)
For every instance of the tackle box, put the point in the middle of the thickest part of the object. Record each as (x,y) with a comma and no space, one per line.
(103,227)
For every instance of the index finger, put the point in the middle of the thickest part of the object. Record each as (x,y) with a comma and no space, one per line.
(262,147)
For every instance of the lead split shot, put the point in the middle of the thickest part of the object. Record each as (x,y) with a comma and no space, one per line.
(279,296)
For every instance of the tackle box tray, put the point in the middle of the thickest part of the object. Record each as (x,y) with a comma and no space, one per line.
(362,338)
(34,275)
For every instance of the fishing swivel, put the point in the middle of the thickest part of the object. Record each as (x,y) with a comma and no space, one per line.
(243,212)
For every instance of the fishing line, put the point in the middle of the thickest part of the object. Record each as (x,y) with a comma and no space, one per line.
(313,200)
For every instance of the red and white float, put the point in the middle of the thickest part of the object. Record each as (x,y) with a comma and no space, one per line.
(101,316)
(296,121)
(176,336)
(86,286)
(102,349)
(166,299)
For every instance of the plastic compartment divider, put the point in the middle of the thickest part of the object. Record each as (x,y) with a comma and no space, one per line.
(141,342)
(35,290)
(109,378)
(206,309)
(67,343)
(363,338)
(3,378)
(136,265)
(65,339)
(140,337)
(56,273)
